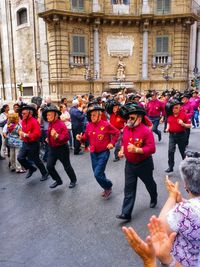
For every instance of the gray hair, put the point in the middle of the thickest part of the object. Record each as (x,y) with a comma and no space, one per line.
(190,173)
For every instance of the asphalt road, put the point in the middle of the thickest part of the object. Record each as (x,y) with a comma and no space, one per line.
(41,227)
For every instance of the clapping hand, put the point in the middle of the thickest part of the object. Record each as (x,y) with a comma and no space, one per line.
(144,249)
(173,190)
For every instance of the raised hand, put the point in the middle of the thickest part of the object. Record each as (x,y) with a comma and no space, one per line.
(144,249)
(162,242)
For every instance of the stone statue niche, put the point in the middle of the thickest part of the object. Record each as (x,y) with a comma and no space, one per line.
(120,70)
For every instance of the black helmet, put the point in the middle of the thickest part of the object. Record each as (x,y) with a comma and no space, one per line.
(170,104)
(93,107)
(187,95)
(131,108)
(48,109)
(110,104)
(32,107)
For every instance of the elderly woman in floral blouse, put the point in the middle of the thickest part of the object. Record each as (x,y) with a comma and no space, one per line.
(183,216)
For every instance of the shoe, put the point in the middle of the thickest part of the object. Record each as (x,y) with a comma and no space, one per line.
(107,193)
(12,170)
(55,184)
(159,137)
(2,158)
(30,172)
(72,185)
(169,170)
(44,177)
(116,159)
(153,204)
(20,171)
(124,217)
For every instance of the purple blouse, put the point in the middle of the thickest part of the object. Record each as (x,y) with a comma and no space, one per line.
(184,219)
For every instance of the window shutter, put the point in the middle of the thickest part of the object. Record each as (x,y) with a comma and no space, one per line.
(158,44)
(159,6)
(82,44)
(81,4)
(165,44)
(75,44)
(74,3)
(166,6)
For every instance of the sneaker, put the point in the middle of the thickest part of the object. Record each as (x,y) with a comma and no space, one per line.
(116,159)
(2,158)
(107,193)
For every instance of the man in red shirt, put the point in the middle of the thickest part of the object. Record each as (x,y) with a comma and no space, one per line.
(58,137)
(102,137)
(177,123)
(138,145)
(155,111)
(30,134)
(118,122)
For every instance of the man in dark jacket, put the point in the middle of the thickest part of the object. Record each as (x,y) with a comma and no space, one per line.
(77,119)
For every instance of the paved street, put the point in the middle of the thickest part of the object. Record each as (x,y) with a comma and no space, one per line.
(40,227)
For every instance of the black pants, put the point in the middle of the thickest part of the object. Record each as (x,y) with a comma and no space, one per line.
(61,153)
(144,171)
(77,144)
(179,139)
(29,153)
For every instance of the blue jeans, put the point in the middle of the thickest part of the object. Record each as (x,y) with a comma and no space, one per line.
(195,118)
(99,161)
(155,121)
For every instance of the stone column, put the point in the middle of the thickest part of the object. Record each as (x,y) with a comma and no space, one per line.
(192,59)
(95,6)
(198,47)
(145,55)
(145,7)
(96,51)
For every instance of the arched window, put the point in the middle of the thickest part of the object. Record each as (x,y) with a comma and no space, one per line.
(22,16)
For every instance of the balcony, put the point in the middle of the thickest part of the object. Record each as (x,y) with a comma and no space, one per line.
(185,7)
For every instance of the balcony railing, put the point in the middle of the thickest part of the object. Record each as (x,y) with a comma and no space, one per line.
(185,7)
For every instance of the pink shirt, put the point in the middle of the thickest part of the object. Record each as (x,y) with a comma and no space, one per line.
(100,134)
(155,108)
(63,134)
(188,109)
(142,137)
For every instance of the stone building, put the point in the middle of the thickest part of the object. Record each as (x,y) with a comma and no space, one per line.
(23,50)
(87,39)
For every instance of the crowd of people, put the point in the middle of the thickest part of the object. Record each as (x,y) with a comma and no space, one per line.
(125,122)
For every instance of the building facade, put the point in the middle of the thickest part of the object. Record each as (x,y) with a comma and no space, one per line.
(100,45)
(23,50)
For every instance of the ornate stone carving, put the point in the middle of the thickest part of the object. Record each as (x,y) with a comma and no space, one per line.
(121,70)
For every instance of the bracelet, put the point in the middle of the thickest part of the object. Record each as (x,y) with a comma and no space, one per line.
(171,264)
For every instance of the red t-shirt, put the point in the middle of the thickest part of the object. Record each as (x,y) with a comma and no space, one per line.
(117,121)
(174,126)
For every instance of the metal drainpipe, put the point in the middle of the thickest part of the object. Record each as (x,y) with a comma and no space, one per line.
(35,49)
(2,67)
(13,53)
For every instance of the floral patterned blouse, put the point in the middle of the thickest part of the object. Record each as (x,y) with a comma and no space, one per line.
(184,219)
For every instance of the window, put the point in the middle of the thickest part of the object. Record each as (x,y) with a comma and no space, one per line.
(78,50)
(162,51)
(120,2)
(27,90)
(163,6)
(77,5)
(162,44)
(22,16)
